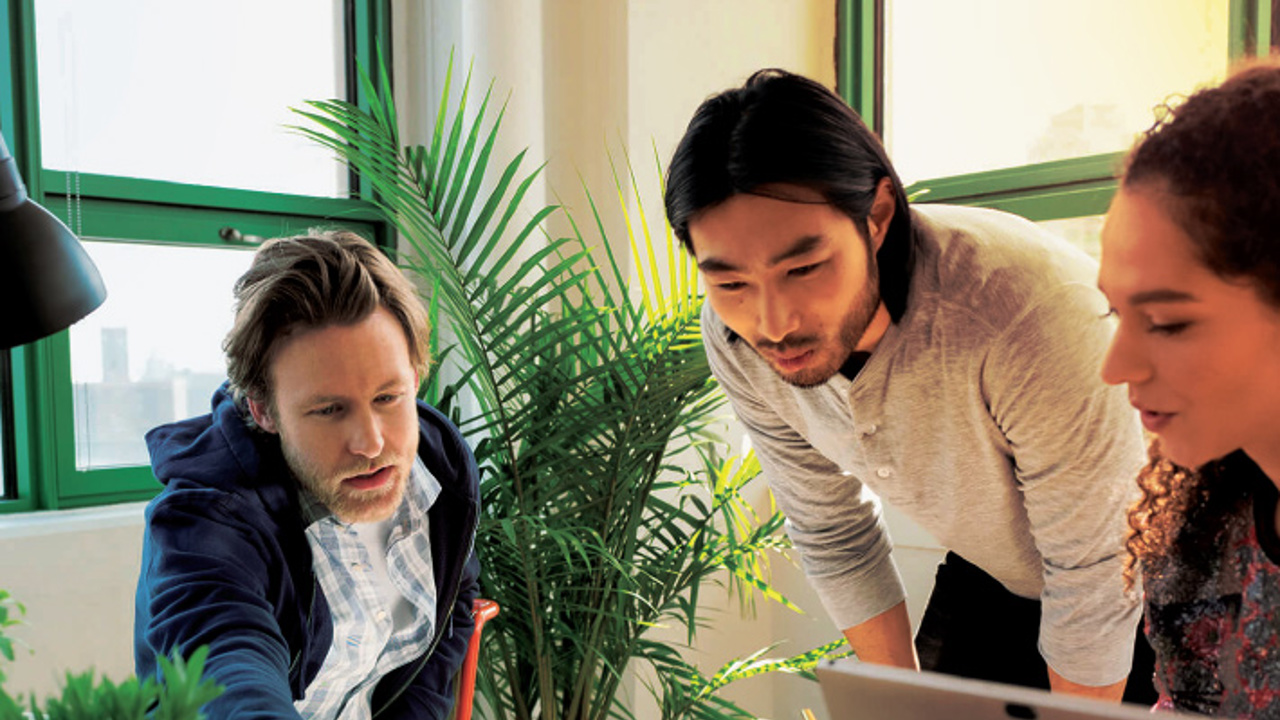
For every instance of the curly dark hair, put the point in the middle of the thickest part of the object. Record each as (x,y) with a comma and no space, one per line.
(1213,164)
(1180,513)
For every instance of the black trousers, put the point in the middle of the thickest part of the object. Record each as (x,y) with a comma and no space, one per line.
(973,627)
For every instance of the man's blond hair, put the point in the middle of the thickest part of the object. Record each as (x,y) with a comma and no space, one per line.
(314,281)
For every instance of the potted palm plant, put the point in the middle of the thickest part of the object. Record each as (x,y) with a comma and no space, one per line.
(583,395)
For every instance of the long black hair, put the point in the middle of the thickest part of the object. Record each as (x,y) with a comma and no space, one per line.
(783,128)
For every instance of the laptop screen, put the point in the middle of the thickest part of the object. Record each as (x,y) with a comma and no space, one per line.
(862,691)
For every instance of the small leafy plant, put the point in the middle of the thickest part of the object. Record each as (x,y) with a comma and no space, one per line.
(7,606)
(180,697)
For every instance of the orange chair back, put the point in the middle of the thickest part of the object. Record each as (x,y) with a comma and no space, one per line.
(483,610)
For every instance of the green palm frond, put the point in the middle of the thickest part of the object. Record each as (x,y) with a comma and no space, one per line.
(687,693)
(592,532)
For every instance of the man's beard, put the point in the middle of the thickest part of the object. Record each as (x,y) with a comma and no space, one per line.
(832,357)
(351,506)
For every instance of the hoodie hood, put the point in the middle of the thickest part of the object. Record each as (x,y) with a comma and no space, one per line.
(216,450)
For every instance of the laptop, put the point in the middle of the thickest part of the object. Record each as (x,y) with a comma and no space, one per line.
(862,691)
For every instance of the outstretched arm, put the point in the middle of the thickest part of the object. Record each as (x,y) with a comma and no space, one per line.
(205,581)
(1113,692)
(885,639)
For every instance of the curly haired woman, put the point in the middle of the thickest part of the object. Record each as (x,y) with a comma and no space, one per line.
(1191,266)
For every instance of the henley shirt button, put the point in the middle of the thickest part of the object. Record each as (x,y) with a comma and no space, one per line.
(884,472)
(869,429)
(382,616)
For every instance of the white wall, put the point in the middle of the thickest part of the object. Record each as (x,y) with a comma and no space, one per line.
(75,571)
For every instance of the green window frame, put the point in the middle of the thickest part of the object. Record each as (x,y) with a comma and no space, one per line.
(1055,190)
(37,433)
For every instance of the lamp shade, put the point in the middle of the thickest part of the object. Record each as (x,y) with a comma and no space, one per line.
(47,280)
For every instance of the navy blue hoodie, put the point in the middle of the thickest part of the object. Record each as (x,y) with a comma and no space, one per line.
(225,563)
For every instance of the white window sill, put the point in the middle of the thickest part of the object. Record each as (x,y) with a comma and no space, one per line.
(54,522)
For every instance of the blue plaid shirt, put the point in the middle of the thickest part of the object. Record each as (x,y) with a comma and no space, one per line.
(366,641)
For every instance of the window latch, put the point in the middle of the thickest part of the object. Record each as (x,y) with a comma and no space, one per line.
(233,236)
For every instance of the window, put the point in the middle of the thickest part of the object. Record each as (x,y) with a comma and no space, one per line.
(1028,107)
(137,363)
(157,132)
(1015,88)
(189,92)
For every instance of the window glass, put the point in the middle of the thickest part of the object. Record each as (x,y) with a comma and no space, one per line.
(987,84)
(190,92)
(1083,232)
(153,352)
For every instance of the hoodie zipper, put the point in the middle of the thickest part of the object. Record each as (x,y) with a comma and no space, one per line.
(306,629)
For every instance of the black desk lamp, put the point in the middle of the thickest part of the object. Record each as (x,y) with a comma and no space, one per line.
(47,281)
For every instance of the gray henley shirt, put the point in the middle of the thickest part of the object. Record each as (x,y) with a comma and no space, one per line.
(982,416)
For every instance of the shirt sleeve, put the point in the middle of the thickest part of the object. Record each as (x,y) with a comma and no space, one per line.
(1077,448)
(832,519)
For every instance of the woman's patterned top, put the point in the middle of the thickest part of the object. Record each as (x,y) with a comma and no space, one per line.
(1213,606)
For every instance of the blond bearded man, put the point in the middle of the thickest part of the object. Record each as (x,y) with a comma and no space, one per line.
(316,529)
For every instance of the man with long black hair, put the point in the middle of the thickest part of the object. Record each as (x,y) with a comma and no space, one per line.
(943,358)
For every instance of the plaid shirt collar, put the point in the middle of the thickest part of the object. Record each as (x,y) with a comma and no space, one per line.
(366,644)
